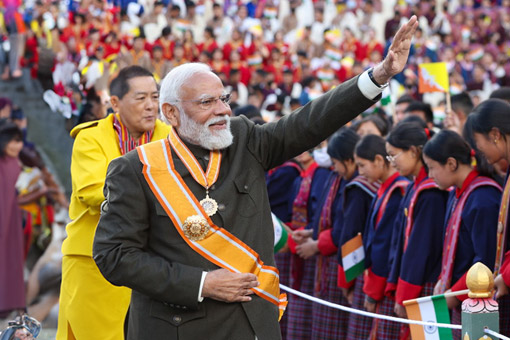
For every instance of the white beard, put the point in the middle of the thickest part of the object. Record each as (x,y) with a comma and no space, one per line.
(201,135)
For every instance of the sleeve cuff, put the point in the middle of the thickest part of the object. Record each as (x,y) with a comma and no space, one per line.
(326,245)
(460,285)
(341,281)
(406,291)
(505,269)
(202,280)
(367,86)
(291,243)
(374,285)
(390,289)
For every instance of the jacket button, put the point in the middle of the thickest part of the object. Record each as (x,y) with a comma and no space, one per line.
(245,187)
(177,319)
(221,207)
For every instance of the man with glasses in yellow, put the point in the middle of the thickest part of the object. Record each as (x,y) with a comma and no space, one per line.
(90,307)
(186,221)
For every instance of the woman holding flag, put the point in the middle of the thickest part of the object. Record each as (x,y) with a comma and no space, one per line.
(418,241)
(346,234)
(302,272)
(471,218)
(372,162)
(330,323)
(490,126)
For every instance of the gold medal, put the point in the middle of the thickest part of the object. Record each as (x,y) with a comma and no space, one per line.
(210,205)
(195,228)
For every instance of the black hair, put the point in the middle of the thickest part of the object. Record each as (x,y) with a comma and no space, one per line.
(404,99)
(370,146)
(342,143)
(501,93)
(250,111)
(462,102)
(448,144)
(8,132)
(423,107)
(120,85)
(408,134)
(294,101)
(379,123)
(166,31)
(210,30)
(414,119)
(492,113)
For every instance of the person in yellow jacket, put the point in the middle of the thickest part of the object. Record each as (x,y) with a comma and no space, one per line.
(91,307)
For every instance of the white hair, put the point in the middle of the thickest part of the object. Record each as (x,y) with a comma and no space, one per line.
(170,91)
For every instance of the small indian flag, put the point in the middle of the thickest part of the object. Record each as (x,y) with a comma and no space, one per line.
(353,258)
(280,234)
(430,309)
(433,77)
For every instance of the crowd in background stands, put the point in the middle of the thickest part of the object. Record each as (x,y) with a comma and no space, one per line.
(274,55)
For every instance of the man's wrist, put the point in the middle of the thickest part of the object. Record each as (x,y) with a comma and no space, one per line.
(379,76)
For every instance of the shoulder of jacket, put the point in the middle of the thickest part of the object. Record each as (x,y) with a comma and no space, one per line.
(89,125)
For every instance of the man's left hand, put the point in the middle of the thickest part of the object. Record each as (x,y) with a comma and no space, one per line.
(398,53)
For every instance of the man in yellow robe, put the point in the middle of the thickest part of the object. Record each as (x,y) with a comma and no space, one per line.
(91,307)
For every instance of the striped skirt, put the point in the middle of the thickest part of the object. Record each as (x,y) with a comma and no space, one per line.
(456,320)
(328,323)
(504,315)
(384,329)
(299,310)
(283,265)
(359,326)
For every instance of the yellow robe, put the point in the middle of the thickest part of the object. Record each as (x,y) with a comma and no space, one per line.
(90,307)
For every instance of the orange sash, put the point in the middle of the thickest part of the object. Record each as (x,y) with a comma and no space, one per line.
(219,246)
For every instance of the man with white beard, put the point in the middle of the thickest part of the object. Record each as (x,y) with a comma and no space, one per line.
(186,222)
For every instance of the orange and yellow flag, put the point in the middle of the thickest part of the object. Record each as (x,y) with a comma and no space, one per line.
(433,77)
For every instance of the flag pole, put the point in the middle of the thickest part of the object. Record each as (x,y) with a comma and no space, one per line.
(448,103)
(427,298)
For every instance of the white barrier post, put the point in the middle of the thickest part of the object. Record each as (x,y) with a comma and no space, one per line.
(480,310)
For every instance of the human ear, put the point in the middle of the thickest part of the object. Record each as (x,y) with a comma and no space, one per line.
(452,164)
(171,113)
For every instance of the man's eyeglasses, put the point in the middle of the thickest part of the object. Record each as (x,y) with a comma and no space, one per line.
(392,159)
(207,103)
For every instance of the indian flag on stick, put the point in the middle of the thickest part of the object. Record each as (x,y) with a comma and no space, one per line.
(280,233)
(353,258)
(430,309)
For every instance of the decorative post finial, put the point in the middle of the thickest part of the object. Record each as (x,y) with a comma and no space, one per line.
(479,310)
(480,281)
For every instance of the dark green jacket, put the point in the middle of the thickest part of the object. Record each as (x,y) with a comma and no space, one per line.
(137,246)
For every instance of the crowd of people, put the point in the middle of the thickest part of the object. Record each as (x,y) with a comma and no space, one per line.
(272,54)
(380,177)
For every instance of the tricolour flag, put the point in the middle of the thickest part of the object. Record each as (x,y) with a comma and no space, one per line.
(433,77)
(353,258)
(280,234)
(430,309)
